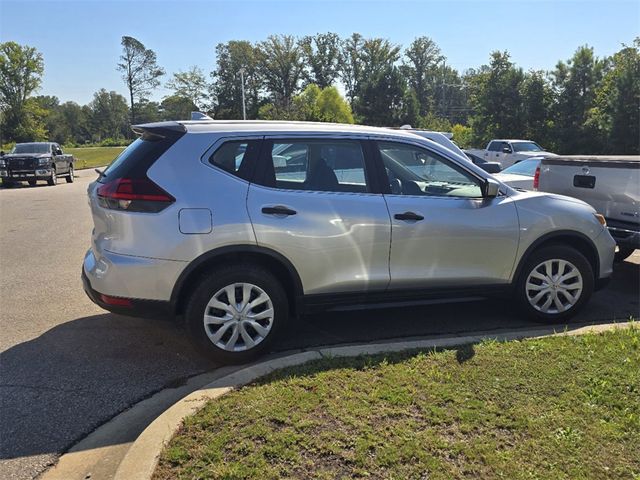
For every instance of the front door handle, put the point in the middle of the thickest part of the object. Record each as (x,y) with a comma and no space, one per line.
(278,210)
(408,216)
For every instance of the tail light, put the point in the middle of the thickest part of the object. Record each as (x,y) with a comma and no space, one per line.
(536,178)
(133,195)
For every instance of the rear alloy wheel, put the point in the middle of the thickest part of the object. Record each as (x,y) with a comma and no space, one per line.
(236,312)
(555,283)
(70,177)
(53,179)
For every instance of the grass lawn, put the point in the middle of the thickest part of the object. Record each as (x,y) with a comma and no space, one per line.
(91,157)
(553,408)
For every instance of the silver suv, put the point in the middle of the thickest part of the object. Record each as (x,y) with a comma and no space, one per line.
(238,226)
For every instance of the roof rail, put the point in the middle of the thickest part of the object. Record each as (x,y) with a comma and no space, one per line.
(200,116)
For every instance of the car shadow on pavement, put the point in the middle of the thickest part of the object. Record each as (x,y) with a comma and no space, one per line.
(58,387)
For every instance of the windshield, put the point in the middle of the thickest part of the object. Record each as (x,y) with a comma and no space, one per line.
(527,147)
(526,167)
(31,148)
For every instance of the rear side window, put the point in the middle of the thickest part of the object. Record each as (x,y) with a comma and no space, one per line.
(236,157)
(317,165)
(494,147)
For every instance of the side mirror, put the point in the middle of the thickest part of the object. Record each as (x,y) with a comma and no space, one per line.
(506,149)
(58,151)
(491,188)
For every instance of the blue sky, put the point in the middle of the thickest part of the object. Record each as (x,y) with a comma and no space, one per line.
(80,41)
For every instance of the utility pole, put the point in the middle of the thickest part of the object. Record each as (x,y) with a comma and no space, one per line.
(244,107)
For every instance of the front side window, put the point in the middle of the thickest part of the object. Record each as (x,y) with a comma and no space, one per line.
(416,171)
(318,165)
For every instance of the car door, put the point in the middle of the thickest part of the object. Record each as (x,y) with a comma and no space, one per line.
(313,201)
(62,166)
(444,233)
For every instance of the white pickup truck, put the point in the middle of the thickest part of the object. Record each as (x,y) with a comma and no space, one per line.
(610,184)
(508,152)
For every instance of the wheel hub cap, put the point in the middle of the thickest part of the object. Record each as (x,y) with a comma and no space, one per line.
(554,286)
(238,317)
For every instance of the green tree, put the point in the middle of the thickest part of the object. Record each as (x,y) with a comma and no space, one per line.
(496,99)
(380,91)
(148,112)
(462,135)
(575,83)
(191,84)
(312,105)
(305,104)
(321,53)
(140,71)
(381,98)
(176,108)
(421,68)
(617,103)
(282,67)
(21,70)
(537,103)
(331,107)
(109,113)
(350,65)
(226,91)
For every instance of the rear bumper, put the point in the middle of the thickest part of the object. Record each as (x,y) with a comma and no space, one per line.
(135,308)
(135,286)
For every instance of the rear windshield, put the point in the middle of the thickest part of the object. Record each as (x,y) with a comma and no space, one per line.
(31,148)
(137,158)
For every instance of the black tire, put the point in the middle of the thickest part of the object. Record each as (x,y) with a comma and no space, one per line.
(7,184)
(623,253)
(33,182)
(70,176)
(218,280)
(53,179)
(554,252)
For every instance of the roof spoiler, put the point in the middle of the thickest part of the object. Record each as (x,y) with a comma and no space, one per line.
(159,131)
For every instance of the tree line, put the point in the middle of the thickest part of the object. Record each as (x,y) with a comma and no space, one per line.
(586,104)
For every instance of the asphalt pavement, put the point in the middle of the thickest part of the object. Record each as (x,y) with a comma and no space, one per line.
(66,366)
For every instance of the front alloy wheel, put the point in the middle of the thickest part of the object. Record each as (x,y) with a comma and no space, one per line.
(53,179)
(238,317)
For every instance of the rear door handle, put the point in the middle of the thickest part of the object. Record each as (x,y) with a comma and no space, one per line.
(408,216)
(278,210)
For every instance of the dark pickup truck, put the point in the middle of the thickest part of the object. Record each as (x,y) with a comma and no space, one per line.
(30,162)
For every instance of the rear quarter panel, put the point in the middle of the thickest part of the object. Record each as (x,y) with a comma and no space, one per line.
(194,185)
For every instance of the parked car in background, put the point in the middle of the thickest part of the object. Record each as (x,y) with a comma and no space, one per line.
(303,221)
(30,162)
(508,152)
(611,184)
(522,174)
(489,167)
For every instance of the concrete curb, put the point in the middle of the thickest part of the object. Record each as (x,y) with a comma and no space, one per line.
(141,459)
